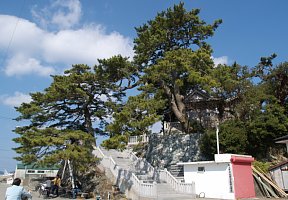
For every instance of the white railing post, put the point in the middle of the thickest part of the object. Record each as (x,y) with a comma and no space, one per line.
(188,188)
(133,140)
(142,189)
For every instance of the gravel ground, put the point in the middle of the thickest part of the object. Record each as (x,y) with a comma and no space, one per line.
(35,195)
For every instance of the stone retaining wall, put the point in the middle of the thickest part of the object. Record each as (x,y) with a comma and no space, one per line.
(165,150)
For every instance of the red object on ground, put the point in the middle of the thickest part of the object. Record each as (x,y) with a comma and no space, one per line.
(243,178)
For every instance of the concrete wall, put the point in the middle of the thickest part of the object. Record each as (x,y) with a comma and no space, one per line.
(213,182)
(23,173)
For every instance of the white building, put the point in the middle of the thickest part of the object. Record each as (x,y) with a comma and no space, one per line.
(228,177)
(30,171)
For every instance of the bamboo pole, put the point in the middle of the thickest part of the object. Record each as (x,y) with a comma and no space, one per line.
(260,185)
(267,188)
(276,187)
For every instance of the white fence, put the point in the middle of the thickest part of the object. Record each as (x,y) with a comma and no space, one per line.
(188,188)
(142,165)
(121,175)
(133,140)
(172,126)
(140,188)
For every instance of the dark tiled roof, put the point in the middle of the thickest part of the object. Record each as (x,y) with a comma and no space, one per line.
(22,166)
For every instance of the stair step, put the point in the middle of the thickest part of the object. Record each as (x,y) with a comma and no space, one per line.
(164,190)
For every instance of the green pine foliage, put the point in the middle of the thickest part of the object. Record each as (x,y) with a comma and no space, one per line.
(65,118)
(172,58)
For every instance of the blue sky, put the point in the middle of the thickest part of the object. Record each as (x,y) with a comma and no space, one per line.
(43,37)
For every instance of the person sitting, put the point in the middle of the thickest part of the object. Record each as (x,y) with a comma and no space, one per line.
(76,189)
(56,184)
(17,192)
(48,186)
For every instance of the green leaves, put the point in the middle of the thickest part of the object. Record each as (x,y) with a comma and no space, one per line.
(61,119)
(171,30)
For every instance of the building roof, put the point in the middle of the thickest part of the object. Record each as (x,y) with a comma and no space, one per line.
(278,165)
(283,139)
(202,163)
(22,166)
(223,158)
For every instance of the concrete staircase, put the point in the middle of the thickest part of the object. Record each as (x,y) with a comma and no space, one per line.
(177,171)
(122,159)
(164,190)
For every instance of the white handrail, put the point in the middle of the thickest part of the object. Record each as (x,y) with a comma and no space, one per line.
(142,189)
(188,188)
(138,138)
(142,164)
(101,152)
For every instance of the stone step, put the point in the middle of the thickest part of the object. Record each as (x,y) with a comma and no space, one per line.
(164,191)
(144,177)
(176,170)
(176,197)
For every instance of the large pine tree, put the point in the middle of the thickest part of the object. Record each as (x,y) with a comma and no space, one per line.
(63,121)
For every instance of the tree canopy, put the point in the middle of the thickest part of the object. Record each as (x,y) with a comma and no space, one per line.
(61,120)
(172,58)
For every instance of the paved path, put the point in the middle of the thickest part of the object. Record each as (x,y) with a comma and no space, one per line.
(35,195)
(3,187)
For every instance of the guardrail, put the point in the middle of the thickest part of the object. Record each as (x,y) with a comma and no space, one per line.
(141,164)
(133,140)
(142,189)
(188,188)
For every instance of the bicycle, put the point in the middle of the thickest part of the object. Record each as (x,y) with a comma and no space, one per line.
(43,190)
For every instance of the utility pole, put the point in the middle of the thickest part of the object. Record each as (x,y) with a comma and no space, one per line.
(217,130)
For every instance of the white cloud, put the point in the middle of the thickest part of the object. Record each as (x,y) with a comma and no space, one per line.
(34,50)
(27,37)
(62,13)
(85,45)
(21,65)
(16,100)
(69,18)
(220,60)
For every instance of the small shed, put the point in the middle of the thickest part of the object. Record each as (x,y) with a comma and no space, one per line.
(229,176)
(30,171)
(279,174)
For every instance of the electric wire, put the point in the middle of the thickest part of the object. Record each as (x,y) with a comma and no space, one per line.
(12,35)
